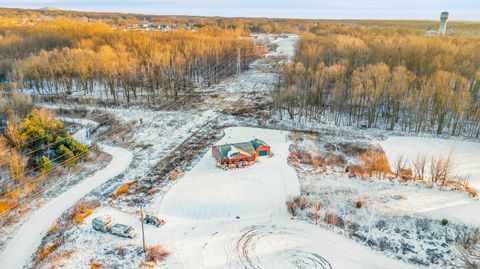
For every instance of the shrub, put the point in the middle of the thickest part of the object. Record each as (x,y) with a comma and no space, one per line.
(355,171)
(67,155)
(174,176)
(53,229)
(444,222)
(334,220)
(374,161)
(82,211)
(4,206)
(78,149)
(359,204)
(292,207)
(122,190)
(44,251)
(297,202)
(81,215)
(315,215)
(156,254)
(302,202)
(94,265)
(46,165)
(471,190)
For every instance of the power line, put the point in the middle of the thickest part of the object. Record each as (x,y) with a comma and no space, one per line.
(40,166)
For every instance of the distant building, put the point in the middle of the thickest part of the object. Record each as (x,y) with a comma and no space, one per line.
(240,153)
(443,23)
(431,33)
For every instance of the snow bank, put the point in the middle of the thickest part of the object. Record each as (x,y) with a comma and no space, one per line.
(208,192)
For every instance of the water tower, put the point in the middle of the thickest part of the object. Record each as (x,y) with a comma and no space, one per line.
(443,23)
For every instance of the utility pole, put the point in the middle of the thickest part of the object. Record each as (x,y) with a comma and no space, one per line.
(143,231)
(239,61)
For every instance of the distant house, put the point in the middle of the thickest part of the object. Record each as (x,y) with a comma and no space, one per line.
(240,153)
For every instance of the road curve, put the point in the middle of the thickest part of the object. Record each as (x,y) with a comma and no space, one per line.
(26,240)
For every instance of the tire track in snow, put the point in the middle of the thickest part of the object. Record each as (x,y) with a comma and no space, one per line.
(245,254)
(20,248)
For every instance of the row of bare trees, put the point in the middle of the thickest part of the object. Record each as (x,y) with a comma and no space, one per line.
(384,79)
(95,60)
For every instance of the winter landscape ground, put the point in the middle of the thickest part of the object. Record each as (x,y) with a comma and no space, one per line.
(241,218)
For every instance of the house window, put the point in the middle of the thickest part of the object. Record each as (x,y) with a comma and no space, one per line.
(263,153)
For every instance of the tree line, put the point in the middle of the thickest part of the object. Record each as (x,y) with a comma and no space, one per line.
(385,79)
(96,60)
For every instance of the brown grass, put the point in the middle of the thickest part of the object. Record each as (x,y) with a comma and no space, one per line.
(315,160)
(355,171)
(292,207)
(174,176)
(122,190)
(4,206)
(54,228)
(156,254)
(45,251)
(81,215)
(81,211)
(95,265)
(460,185)
(334,220)
(375,162)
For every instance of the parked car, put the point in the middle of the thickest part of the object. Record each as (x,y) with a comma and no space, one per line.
(153,220)
(102,224)
(123,230)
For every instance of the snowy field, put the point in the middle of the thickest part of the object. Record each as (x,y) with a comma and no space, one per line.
(465,155)
(408,220)
(441,204)
(207,192)
(202,231)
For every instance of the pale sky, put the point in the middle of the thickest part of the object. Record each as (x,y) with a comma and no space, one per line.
(315,9)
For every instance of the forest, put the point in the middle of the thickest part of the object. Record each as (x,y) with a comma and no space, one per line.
(93,59)
(383,78)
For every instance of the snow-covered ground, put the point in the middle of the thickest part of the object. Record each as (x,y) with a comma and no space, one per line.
(28,237)
(202,229)
(286,45)
(441,204)
(465,155)
(411,221)
(201,208)
(207,192)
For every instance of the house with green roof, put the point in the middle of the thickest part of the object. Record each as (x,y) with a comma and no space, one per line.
(244,152)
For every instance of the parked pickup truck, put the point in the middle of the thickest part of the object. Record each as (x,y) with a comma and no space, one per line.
(123,230)
(102,224)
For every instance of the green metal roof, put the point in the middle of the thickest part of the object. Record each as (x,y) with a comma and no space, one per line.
(245,146)
(257,143)
(248,147)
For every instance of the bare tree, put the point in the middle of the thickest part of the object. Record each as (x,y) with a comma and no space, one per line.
(419,166)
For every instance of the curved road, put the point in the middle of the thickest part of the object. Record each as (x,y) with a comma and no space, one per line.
(28,237)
